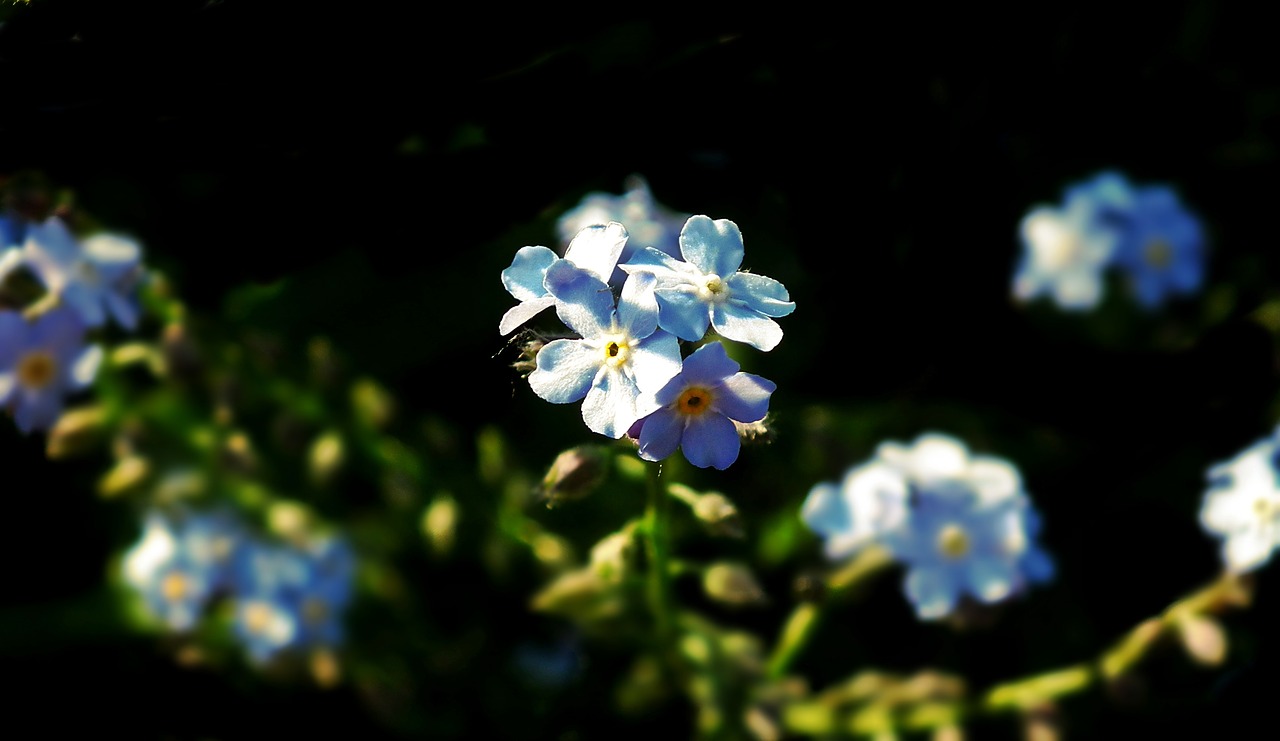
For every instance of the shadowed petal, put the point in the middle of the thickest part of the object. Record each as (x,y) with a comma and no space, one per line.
(661,434)
(583,301)
(682,314)
(744,397)
(710,440)
(610,406)
(756,292)
(931,591)
(523,312)
(655,361)
(990,579)
(524,278)
(566,369)
(740,324)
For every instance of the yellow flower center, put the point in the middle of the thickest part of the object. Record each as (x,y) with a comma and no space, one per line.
(713,289)
(616,350)
(37,369)
(257,616)
(694,401)
(175,586)
(1158,253)
(953,541)
(1264,508)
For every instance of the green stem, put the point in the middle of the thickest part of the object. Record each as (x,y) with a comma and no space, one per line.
(657,517)
(804,620)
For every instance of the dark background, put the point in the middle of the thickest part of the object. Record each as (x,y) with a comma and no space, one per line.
(388,161)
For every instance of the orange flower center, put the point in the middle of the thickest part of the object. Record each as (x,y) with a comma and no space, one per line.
(694,401)
(37,369)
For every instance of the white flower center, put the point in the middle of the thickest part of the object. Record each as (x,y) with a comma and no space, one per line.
(712,289)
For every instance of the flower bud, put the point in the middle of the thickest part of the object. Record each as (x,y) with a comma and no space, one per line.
(574,474)
(325,457)
(718,515)
(440,523)
(1203,638)
(609,557)
(373,406)
(123,476)
(733,585)
(76,431)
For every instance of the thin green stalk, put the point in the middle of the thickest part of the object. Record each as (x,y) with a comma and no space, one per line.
(657,547)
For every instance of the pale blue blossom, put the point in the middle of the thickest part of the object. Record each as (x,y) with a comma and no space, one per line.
(650,223)
(962,525)
(621,355)
(1242,506)
(595,249)
(96,276)
(697,409)
(43,360)
(708,289)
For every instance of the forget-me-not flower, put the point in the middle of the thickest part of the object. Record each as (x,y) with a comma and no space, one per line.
(595,249)
(1065,252)
(621,355)
(961,524)
(1161,246)
(95,276)
(707,288)
(1242,505)
(179,567)
(697,409)
(650,223)
(41,361)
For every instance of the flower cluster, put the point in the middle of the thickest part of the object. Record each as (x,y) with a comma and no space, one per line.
(1143,231)
(961,524)
(626,365)
(1242,505)
(649,222)
(286,598)
(44,355)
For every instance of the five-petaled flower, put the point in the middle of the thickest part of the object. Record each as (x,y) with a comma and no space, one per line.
(707,288)
(698,407)
(595,249)
(41,361)
(622,352)
(1242,505)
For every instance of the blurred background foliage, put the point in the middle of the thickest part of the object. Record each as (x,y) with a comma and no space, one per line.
(333,192)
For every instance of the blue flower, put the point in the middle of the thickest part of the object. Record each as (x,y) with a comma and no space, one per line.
(41,361)
(709,290)
(595,249)
(650,223)
(699,406)
(961,524)
(1064,254)
(179,567)
(622,352)
(1242,505)
(291,598)
(1161,246)
(95,276)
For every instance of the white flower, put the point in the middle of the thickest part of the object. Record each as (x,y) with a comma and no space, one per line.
(1242,505)
(1064,255)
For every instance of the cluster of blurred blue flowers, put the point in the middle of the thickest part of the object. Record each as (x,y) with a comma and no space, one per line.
(1144,232)
(961,524)
(44,352)
(626,366)
(284,597)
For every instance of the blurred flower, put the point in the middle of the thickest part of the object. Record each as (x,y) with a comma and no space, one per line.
(41,361)
(1242,506)
(650,223)
(622,352)
(177,567)
(1064,254)
(1161,246)
(708,289)
(961,524)
(94,276)
(290,598)
(595,249)
(697,409)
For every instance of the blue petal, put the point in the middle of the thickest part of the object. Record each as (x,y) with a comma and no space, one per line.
(661,434)
(524,278)
(60,331)
(610,406)
(741,324)
(990,579)
(709,365)
(86,302)
(744,397)
(13,337)
(37,410)
(596,249)
(655,360)
(710,440)
(682,314)
(825,510)
(712,246)
(523,312)
(760,293)
(566,369)
(123,308)
(583,301)
(638,307)
(649,258)
(932,591)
